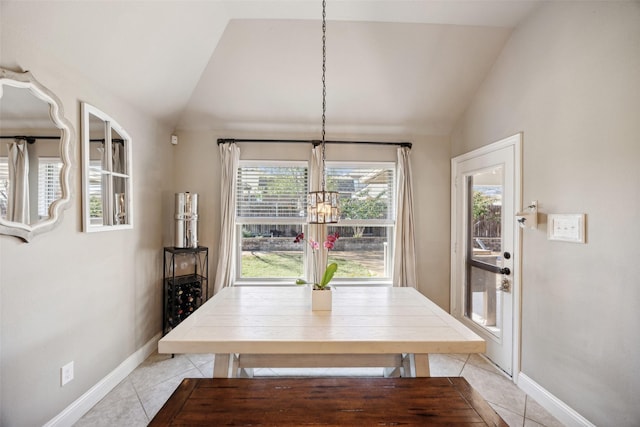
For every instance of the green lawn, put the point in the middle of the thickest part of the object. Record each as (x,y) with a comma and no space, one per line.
(284,264)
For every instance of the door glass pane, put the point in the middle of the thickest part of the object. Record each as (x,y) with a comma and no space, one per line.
(483,300)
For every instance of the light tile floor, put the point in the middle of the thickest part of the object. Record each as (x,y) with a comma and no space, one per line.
(136,400)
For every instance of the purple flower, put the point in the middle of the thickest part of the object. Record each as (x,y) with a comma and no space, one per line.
(329,243)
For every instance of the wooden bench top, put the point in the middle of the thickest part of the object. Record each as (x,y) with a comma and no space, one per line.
(326,401)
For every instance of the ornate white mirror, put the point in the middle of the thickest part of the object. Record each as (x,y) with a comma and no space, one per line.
(106,172)
(35,156)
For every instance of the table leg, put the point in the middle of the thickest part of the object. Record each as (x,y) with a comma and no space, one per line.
(221,365)
(421,363)
(408,366)
(234,366)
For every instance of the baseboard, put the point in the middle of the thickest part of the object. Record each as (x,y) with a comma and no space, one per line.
(72,413)
(552,404)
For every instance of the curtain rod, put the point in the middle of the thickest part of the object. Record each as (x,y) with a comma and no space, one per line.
(29,139)
(315,142)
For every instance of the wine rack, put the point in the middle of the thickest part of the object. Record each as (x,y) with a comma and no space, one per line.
(185,284)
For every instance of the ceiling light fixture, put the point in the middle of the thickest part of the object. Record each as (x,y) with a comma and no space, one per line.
(323,205)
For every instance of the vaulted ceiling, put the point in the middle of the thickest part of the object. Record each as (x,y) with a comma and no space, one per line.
(392,66)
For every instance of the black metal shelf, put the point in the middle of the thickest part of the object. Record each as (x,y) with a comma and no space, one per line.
(185,284)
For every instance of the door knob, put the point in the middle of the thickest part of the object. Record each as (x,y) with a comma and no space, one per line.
(505,271)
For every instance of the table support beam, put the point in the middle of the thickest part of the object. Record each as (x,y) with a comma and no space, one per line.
(227,365)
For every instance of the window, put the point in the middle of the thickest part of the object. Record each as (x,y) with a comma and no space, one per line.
(271,202)
(364,252)
(107,187)
(271,199)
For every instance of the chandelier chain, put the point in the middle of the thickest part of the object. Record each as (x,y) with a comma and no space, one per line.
(324,85)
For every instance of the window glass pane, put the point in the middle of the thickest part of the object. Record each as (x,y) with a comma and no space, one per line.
(120,214)
(97,188)
(49,188)
(118,152)
(4,186)
(96,142)
(362,251)
(366,192)
(269,251)
(272,191)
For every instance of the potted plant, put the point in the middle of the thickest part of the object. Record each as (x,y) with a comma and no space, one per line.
(321,292)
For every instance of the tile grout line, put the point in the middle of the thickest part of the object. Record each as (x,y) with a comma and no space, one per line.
(135,389)
(138,394)
(494,403)
(464,364)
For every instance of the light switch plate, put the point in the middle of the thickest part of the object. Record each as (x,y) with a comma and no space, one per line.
(566,227)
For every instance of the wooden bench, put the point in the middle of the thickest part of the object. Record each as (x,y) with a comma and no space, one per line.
(326,401)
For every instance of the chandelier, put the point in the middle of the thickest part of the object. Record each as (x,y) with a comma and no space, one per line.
(323,205)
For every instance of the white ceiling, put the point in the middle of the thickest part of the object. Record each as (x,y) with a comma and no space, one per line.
(392,66)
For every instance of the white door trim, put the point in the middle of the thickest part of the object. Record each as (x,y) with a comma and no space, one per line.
(516,142)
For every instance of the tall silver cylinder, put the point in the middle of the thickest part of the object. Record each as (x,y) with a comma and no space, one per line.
(186,233)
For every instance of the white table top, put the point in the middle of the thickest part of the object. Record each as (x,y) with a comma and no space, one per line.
(279,320)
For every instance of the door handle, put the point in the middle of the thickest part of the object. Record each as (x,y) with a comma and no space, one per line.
(505,271)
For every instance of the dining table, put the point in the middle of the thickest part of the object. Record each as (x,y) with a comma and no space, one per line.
(247,327)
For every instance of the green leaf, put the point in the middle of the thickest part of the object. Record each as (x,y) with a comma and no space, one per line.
(301,282)
(328,274)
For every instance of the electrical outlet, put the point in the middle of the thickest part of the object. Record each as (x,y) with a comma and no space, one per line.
(66,373)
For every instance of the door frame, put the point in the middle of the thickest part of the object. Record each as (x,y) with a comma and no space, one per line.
(457,302)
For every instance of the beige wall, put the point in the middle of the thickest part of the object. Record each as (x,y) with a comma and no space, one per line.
(569,78)
(197,169)
(68,295)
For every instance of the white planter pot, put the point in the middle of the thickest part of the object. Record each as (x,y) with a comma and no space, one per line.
(321,300)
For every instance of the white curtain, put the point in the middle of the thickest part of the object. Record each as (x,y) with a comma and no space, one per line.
(18,194)
(404,260)
(229,159)
(315,261)
(104,186)
(119,204)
